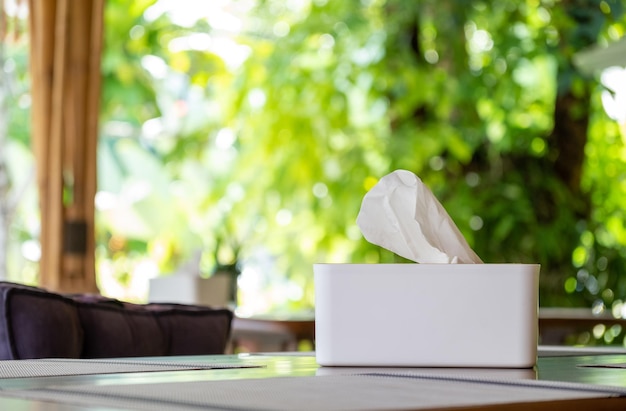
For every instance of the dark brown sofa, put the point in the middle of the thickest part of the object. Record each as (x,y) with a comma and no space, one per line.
(36,323)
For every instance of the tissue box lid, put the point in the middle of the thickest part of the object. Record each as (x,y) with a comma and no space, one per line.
(426,315)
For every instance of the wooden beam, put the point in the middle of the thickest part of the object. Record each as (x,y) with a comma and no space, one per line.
(66,46)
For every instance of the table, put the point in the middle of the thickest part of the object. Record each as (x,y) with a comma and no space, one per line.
(557,325)
(286,333)
(564,378)
(271,333)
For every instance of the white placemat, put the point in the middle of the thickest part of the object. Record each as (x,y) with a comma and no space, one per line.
(340,392)
(69,367)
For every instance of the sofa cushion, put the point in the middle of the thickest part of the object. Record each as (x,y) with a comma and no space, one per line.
(193,329)
(37,324)
(112,330)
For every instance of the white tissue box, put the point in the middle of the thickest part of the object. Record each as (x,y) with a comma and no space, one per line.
(426,315)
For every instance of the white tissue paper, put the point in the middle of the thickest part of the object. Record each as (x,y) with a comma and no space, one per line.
(402,215)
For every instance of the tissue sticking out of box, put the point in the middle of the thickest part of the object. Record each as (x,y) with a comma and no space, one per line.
(402,215)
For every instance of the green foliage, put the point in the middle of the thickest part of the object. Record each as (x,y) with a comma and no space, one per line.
(257,145)
(17,191)
(273,156)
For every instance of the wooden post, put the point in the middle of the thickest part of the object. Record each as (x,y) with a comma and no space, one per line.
(66,44)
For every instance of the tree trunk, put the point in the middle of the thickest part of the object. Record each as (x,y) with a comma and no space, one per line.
(569,137)
(572,105)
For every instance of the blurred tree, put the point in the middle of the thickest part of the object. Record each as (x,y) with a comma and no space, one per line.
(273,153)
(252,130)
(14,137)
(479,98)
(5,209)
